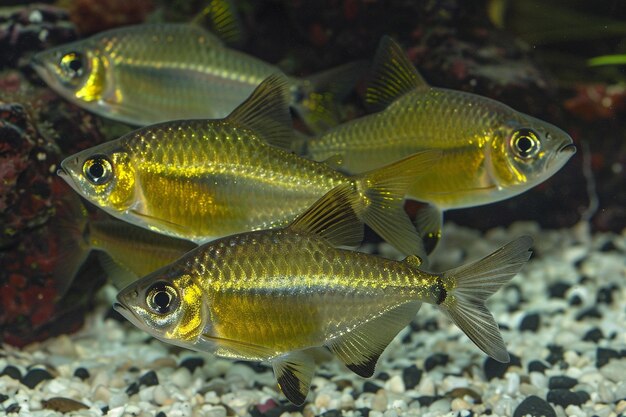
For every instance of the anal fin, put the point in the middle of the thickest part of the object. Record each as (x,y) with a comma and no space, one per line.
(294,372)
(359,349)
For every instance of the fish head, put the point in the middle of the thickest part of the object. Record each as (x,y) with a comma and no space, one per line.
(168,303)
(78,71)
(529,152)
(104,175)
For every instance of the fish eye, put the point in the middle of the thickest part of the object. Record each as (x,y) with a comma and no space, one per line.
(162,298)
(525,143)
(98,170)
(72,65)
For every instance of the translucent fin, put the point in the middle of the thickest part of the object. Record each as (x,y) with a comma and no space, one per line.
(221,18)
(383,192)
(163,224)
(119,276)
(472,284)
(266,112)
(316,97)
(392,75)
(294,372)
(334,161)
(333,218)
(359,349)
(71,225)
(428,222)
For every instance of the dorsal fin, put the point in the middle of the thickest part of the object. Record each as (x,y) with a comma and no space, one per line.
(392,75)
(221,18)
(333,218)
(266,112)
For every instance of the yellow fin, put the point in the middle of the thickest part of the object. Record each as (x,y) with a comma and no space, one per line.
(470,285)
(334,161)
(384,190)
(294,372)
(428,222)
(360,348)
(221,18)
(392,75)
(266,112)
(333,218)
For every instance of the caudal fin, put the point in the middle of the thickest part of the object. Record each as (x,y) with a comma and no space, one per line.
(316,97)
(470,285)
(383,192)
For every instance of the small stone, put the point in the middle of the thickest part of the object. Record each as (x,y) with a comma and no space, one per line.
(605,294)
(589,313)
(534,406)
(160,414)
(565,397)
(604,355)
(562,382)
(558,289)
(383,376)
(81,373)
(3,398)
(380,401)
(593,335)
(332,413)
(35,376)
(192,363)
(181,377)
(463,392)
(555,355)
(537,366)
(63,405)
(132,389)
(12,372)
(364,411)
(411,376)
(13,408)
(370,387)
(575,300)
(427,400)
(438,359)
(160,395)
(395,384)
(530,322)
(149,379)
(494,369)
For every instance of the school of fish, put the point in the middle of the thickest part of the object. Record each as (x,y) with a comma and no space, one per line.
(232,234)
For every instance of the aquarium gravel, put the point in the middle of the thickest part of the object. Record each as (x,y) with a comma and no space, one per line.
(563,320)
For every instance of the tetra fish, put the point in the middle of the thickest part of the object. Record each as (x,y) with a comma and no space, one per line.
(278,295)
(489,151)
(205,179)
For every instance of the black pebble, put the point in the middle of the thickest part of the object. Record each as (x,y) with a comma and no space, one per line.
(593,335)
(411,376)
(562,382)
(105,410)
(12,371)
(13,408)
(192,363)
(370,387)
(365,412)
(608,247)
(495,369)
(605,294)
(565,397)
(332,413)
(558,290)
(534,406)
(3,398)
(589,313)
(530,322)
(427,400)
(149,379)
(283,408)
(555,355)
(383,376)
(257,367)
(603,356)
(537,366)
(81,373)
(438,359)
(575,300)
(132,389)
(160,414)
(35,376)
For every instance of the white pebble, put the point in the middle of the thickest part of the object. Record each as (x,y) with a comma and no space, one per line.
(161,396)
(614,370)
(181,377)
(440,406)
(395,384)
(118,399)
(380,401)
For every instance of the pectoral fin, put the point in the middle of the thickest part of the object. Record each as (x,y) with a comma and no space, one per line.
(294,372)
(359,349)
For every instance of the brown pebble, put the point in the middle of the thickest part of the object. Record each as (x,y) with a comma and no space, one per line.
(163,363)
(462,392)
(63,405)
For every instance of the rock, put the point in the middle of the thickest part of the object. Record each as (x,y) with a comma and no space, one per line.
(63,405)
(132,389)
(589,313)
(81,373)
(495,369)
(192,363)
(369,386)
(12,372)
(411,376)
(438,359)
(593,335)
(427,400)
(530,322)
(565,397)
(558,289)
(604,355)
(534,406)
(605,294)
(537,366)
(555,355)
(36,376)
(149,379)
(561,382)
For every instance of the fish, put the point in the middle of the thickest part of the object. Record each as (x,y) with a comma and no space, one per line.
(204,179)
(489,151)
(275,296)
(150,73)
(125,252)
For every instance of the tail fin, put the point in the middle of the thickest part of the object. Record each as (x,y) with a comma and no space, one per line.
(70,225)
(316,97)
(470,285)
(383,192)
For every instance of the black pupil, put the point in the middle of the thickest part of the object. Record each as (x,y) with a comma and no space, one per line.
(96,170)
(524,144)
(76,65)
(162,301)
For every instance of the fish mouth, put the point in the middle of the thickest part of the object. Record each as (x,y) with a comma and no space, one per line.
(569,148)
